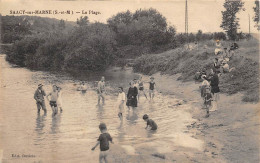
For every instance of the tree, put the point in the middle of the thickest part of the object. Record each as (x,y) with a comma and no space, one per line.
(230,23)
(61,24)
(82,21)
(256,17)
(199,35)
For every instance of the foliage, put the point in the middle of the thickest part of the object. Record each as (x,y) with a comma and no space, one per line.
(230,23)
(17,27)
(146,28)
(256,17)
(83,21)
(90,48)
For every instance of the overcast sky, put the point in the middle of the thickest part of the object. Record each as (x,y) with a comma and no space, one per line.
(203,14)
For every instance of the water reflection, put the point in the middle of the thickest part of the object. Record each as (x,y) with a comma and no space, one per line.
(40,123)
(55,123)
(121,132)
(100,111)
(132,116)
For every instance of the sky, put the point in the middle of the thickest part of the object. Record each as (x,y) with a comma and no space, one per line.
(203,15)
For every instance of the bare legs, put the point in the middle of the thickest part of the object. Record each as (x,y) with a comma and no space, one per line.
(101,95)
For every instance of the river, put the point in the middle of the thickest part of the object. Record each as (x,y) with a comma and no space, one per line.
(30,137)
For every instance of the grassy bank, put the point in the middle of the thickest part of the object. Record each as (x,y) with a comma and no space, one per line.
(187,62)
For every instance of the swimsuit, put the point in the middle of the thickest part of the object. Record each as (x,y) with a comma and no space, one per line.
(141,86)
(152,85)
(53,103)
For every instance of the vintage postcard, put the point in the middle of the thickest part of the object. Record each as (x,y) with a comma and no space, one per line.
(145,81)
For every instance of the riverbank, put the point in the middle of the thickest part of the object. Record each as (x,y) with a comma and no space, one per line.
(244,78)
(230,134)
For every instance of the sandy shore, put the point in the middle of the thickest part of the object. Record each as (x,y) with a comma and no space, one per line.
(230,134)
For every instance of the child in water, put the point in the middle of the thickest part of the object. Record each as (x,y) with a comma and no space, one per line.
(150,123)
(207,100)
(103,141)
(151,88)
(121,101)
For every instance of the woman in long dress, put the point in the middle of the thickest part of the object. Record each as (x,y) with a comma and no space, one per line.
(214,82)
(132,96)
(59,101)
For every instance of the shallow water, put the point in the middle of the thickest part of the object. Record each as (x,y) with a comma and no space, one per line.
(69,136)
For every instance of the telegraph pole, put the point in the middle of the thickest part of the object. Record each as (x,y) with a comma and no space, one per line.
(249,24)
(186,22)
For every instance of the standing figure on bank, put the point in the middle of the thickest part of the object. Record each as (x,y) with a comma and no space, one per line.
(151,88)
(132,96)
(59,101)
(101,90)
(53,102)
(214,82)
(141,87)
(39,98)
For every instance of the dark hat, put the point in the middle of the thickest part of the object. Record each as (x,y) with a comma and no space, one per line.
(40,85)
(145,116)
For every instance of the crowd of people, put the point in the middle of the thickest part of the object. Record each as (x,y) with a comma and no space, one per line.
(210,78)
(209,93)
(131,100)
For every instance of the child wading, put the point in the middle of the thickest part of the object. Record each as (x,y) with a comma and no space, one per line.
(207,100)
(120,101)
(150,123)
(53,102)
(141,88)
(151,88)
(103,141)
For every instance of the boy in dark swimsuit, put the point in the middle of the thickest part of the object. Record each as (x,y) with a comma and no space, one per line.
(141,87)
(150,123)
(103,141)
(151,88)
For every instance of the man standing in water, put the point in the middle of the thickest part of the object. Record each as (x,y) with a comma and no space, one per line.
(101,90)
(39,97)
(53,102)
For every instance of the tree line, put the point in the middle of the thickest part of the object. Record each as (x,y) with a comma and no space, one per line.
(58,45)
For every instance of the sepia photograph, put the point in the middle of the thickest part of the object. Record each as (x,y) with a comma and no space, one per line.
(131,81)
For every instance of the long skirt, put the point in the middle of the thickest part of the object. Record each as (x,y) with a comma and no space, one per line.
(131,102)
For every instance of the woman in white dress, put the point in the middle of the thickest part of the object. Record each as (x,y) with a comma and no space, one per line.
(59,101)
